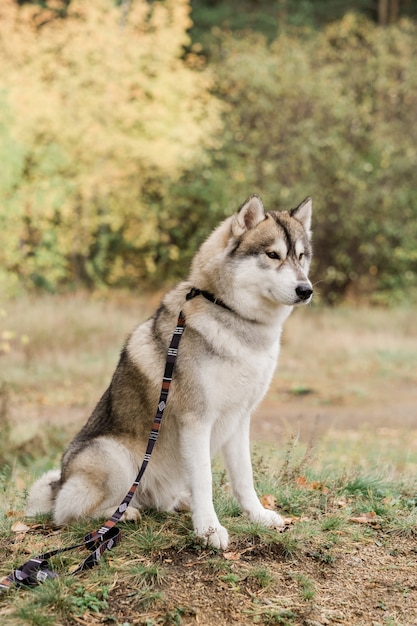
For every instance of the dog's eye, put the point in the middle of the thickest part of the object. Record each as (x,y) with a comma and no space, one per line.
(301,256)
(273,255)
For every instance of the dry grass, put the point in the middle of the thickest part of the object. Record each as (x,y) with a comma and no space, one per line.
(60,353)
(347,377)
(66,338)
(343,373)
(341,348)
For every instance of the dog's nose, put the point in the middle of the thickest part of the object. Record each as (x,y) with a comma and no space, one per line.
(304,291)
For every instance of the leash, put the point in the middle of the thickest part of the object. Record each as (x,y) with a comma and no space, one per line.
(37,570)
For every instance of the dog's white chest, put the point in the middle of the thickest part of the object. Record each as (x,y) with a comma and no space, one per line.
(236,384)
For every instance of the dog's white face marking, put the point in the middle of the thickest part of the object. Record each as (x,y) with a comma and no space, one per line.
(278,251)
(300,251)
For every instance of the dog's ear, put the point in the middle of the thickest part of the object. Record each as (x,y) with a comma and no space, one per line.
(303,214)
(250,214)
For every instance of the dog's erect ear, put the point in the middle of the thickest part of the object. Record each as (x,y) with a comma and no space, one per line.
(250,214)
(303,214)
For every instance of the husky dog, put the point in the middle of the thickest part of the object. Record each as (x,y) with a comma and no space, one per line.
(247,277)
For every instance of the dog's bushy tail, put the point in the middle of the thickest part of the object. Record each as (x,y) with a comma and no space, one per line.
(42,493)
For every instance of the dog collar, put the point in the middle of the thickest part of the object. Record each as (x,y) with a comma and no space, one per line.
(194,292)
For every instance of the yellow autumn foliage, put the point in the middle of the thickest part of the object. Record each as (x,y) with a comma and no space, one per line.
(92,108)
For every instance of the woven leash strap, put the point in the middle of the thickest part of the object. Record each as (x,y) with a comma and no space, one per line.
(37,569)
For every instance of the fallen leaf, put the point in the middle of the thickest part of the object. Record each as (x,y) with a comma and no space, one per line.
(390,501)
(20,527)
(365,518)
(269,502)
(314,484)
(318,486)
(232,555)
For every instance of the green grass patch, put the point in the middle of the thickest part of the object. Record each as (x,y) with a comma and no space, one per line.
(324,508)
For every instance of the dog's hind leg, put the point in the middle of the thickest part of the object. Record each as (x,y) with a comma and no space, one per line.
(41,494)
(97,480)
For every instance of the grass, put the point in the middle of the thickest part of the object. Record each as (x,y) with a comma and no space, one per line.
(347,352)
(306,585)
(163,550)
(348,491)
(261,577)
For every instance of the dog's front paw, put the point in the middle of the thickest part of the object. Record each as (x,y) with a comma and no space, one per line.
(132,514)
(267,518)
(214,535)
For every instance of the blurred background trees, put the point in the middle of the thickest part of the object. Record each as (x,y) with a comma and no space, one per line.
(127,131)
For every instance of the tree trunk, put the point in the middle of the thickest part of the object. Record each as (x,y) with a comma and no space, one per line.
(388,11)
(383,12)
(393,11)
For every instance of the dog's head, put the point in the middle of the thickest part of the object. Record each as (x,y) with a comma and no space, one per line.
(274,250)
(257,260)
